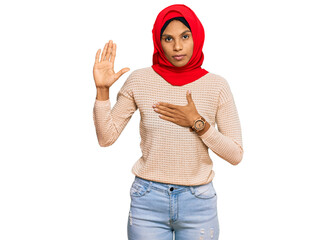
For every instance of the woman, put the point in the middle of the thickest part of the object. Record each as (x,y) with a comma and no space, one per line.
(172,192)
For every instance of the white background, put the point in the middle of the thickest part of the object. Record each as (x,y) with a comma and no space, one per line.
(56,182)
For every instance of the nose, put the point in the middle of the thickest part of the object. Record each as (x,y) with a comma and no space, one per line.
(177,45)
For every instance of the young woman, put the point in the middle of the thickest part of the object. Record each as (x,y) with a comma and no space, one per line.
(172,192)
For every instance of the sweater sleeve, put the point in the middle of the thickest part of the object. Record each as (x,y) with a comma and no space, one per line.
(109,123)
(226,142)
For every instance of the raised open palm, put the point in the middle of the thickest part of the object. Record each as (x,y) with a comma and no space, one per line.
(103,69)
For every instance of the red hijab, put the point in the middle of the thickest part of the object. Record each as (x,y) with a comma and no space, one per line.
(179,76)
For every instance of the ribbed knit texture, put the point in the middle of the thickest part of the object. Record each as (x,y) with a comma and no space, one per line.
(171,153)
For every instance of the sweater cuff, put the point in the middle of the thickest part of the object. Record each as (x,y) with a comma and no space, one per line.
(208,133)
(103,103)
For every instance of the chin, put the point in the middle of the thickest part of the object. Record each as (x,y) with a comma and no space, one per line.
(179,64)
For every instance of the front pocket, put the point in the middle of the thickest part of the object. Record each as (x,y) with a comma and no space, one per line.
(138,189)
(206,191)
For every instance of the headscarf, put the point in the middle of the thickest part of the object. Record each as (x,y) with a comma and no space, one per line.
(179,76)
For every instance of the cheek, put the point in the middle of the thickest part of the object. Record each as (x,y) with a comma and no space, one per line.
(191,49)
(164,46)
(165,49)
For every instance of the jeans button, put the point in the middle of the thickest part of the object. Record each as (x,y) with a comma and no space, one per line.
(171,189)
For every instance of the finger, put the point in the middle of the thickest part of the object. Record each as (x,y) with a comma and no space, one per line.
(109,50)
(172,112)
(104,53)
(121,72)
(165,113)
(114,50)
(168,105)
(97,56)
(167,118)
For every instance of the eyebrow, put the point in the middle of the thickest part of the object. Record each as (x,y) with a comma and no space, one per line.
(167,35)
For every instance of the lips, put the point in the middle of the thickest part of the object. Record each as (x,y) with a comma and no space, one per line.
(179,57)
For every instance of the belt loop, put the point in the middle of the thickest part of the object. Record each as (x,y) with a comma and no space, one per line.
(149,187)
(192,189)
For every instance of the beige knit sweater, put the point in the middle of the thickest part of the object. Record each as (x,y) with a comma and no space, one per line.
(171,153)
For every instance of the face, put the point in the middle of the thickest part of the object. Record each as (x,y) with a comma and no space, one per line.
(177,43)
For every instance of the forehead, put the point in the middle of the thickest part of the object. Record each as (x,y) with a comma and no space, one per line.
(175,26)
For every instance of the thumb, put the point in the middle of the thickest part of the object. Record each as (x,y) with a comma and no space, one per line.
(189,97)
(121,72)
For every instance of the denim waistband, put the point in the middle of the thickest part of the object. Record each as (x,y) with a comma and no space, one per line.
(167,187)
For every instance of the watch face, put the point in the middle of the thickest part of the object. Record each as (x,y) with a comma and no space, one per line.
(199,125)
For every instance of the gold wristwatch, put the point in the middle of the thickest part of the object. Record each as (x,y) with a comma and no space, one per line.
(199,124)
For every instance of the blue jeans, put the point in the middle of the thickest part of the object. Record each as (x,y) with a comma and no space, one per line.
(159,210)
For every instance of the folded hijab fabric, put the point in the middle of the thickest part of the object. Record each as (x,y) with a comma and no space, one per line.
(179,76)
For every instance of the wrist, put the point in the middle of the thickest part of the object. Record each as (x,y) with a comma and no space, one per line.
(205,129)
(193,119)
(197,125)
(103,94)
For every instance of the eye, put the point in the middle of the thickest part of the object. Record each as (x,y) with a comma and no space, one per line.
(186,36)
(167,39)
